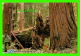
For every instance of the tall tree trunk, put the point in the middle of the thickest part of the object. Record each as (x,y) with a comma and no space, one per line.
(7,17)
(7,24)
(22,17)
(30,13)
(62,25)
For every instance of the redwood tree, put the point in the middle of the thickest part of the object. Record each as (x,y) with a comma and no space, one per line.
(62,25)
(7,18)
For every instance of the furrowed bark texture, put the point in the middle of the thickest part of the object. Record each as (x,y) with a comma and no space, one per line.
(62,24)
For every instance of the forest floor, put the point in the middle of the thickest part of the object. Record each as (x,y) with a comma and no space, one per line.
(45,48)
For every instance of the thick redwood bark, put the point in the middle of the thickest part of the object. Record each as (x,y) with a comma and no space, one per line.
(7,17)
(62,25)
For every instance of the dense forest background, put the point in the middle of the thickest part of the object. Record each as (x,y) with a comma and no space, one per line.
(30,17)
